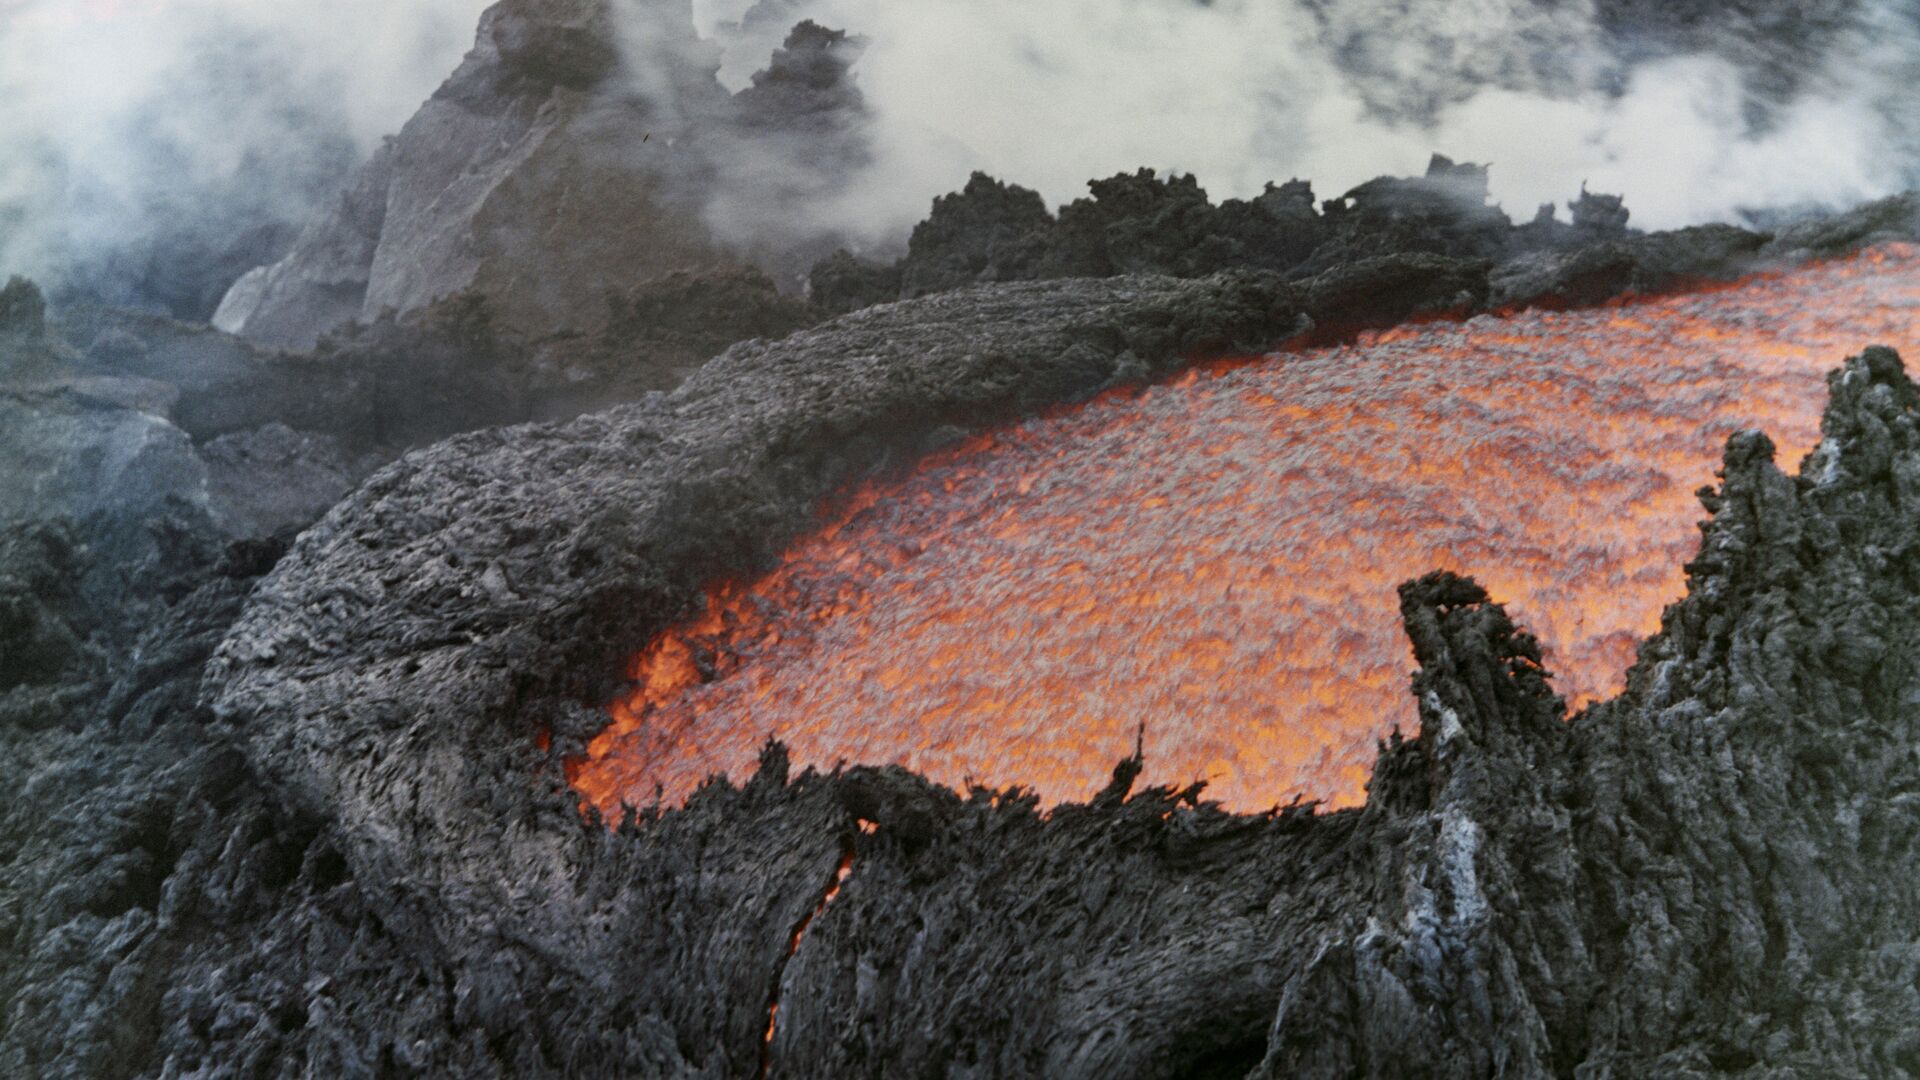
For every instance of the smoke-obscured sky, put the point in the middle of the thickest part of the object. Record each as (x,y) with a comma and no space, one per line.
(127,120)
(124,118)
(1239,92)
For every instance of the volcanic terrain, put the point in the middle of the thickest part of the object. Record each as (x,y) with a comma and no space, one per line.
(1161,637)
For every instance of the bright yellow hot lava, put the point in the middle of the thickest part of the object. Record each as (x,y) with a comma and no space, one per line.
(1216,556)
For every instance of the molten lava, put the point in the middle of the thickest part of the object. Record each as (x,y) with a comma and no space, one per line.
(1217,555)
(840,873)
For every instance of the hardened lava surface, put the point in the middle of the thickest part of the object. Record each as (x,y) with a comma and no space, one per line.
(1215,556)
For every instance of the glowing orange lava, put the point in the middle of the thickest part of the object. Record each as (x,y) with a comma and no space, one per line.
(840,873)
(1217,555)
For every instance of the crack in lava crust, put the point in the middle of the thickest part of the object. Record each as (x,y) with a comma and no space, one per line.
(1217,555)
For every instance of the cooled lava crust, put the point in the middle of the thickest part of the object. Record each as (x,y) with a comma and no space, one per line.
(1689,875)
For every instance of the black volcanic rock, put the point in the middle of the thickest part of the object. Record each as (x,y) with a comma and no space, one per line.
(1142,223)
(1139,223)
(698,315)
(44,620)
(841,283)
(1640,264)
(1444,212)
(23,309)
(806,83)
(986,231)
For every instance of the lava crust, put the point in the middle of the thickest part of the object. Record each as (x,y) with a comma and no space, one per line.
(1215,555)
(1517,890)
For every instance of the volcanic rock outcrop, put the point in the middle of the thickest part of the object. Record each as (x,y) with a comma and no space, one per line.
(518,161)
(571,155)
(113,416)
(1141,223)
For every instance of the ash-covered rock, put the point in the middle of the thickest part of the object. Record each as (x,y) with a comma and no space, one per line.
(112,416)
(72,453)
(562,161)
(274,478)
(531,155)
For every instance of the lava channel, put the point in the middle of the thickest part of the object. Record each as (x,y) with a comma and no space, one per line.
(1216,555)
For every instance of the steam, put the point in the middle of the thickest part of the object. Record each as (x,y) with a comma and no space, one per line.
(1240,92)
(156,149)
(139,133)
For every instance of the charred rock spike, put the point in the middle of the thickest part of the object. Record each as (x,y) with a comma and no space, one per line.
(1599,215)
(807,80)
(1481,679)
(23,309)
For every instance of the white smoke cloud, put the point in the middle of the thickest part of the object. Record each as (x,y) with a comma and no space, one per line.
(124,119)
(116,113)
(1240,92)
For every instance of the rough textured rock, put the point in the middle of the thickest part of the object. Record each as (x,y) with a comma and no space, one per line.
(1141,223)
(151,417)
(69,453)
(274,478)
(1519,895)
(112,410)
(346,853)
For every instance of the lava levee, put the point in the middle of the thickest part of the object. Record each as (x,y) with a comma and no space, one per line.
(1216,556)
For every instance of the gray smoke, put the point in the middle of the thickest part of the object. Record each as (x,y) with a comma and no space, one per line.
(1691,119)
(154,149)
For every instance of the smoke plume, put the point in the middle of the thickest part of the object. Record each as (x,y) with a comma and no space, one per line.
(1691,118)
(156,149)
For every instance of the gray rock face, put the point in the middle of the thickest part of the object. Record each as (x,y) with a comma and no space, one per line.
(547,173)
(74,454)
(531,176)
(274,478)
(152,418)
(97,450)
(323,279)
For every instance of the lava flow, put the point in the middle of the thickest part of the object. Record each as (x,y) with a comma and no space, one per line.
(1216,556)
